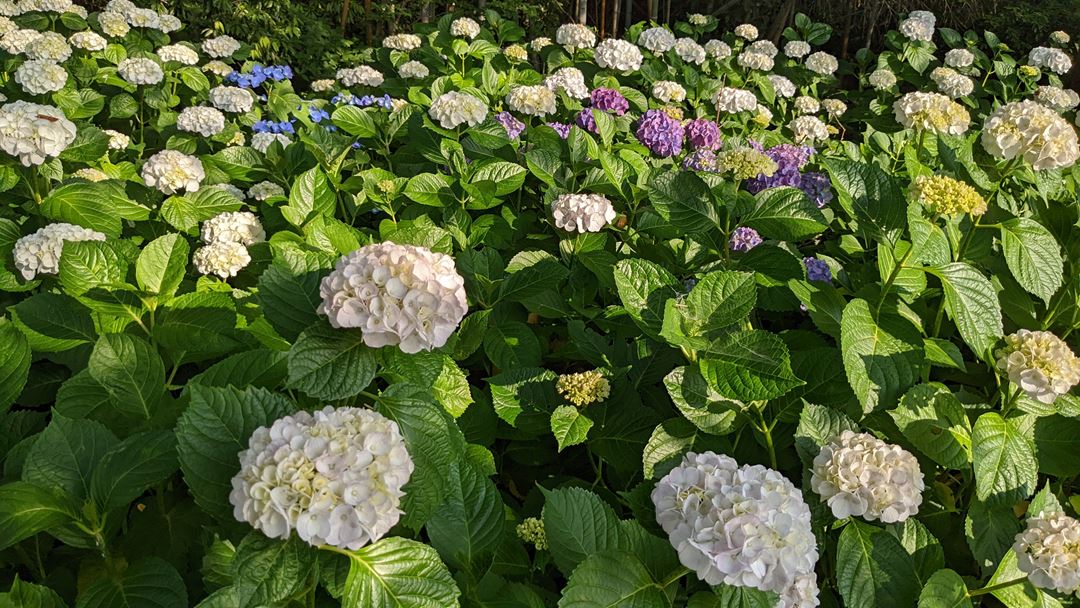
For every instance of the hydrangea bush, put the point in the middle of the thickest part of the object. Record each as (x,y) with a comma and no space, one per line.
(687,318)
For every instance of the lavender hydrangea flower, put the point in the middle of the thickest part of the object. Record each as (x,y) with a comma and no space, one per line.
(513,126)
(816,270)
(817,187)
(609,100)
(789,159)
(562,129)
(702,133)
(700,160)
(660,133)
(744,239)
(587,121)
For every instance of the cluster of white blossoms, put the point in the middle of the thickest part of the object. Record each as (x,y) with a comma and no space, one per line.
(88,41)
(797,49)
(697,19)
(396,294)
(746,31)
(540,43)
(859,475)
(221,258)
(50,46)
(232,99)
(1059,37)
(335,477)
(516,53)
(234,227)
(220,68)
(919,25)
(220,47)
(171,171)
(34,132)
(324,85)
(822,63)
(574,36)
(782,86)
(363,75)
(755,61)
(1039,363)
(690,51)
(568,80)
(732,100)
(746,526)
(668,91)
(808,129)
(582,212)
(140,70)
(113,25)
(1033,131)
(618,55)
(764,47)
(931,112)
(204,120)
(402,42)
(882,79)
(1055,60)
(959,58)
(533,100)
(657,39)
(265,190)
(91,174)
(39,253)
(718,49)
(17,41)
(805,104)
(453,109)
(1057,98)
(263,141)
(464,27)
(1048,552)
(952,83)
(413,69)
(40,76)
(117,140)
(834,107)
(178,53)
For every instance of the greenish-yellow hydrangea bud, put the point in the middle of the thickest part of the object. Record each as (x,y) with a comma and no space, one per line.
(947,196)
(673,112)
(386,186)
(584,388)
(532,531)
(745,163)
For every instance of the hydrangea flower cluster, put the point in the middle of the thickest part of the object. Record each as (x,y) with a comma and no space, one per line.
(744,239)
(402,42)
(40,76)
(221,258)
(453,109)
(140,70)
(657,39)
(732,100)
(513,126)
(822,63)
(668,91)
(568,80)
(574,36)
(220,47)
(258,75)
(1039,363)
(952,83)
(660,133)
(618,55)
(1048,58)
(39,253)
(34,132)
(944,195)
(817,270)
(797,49)
(931,112)
(1048,552)
(363,75)
(531,530)
(534,100)
(265,190)
(882,79)
(858,475)
(413,69)
(464,27)
(235,227)
(959,58)
(1030,130)
(335,477)
(584,388)
(789,159)
(400,295)
(1057,98)
(171,171)
(690,51)
(919,26)
(231,99)
(744,163)
(582,212)
(702,133)
(204,120)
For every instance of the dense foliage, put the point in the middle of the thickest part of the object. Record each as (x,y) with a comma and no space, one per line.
(680,319)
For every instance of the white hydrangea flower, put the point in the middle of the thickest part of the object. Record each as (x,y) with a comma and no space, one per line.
(808,129)
(516,53)
(327,84)
(16,42)
(171,171)
(453,109)
(464,27)
(539,44)
(762,114)
(732,100)
(221,258)
(804,104)
(803,593)
(690,51)
(858,475)
(91,174)
(263,141)
(144,17)
(1033,131)
(9,8)
(568,80)
(534,100)
(618,55)
(782,86)
(168,23)
(39,253)
(363,75)
(822,63)
(765,47)
(718,49)
(1039,363)
(335,477)
(220,47)
(919,25)
(1059,37)
(402,42)
(140,70)
(1057,98)
(755,61)
(582,212)
(218,68)
(882,79)
(668,91)
(117,140)
(7,25)
(746,526)
(34,132)
(120,6)
(50,46)
(204,120)
(697,19)
(574,36)
(1055,60)
(88,41)
(40,76)
(1048,552)
(412,69)
(959,58)
(264,190)
(45,6)
(113,24)
(932,112)
(797,49)
(179,53)
(400,295)
(747,32)
(233,227)
(834,107)
(232,99)
(657,39)
(952,83)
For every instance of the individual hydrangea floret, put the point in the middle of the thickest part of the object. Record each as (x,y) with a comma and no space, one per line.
(220,47)
(959,58)
(1048,552)
(584,388)
(221,258)
(859,475)
(1033,131)
(657,39)
(40,76)
(533,100)
(140,70)
(453,109)
(233,227)
(668,91)
(568,80)
(817,270)
(402,42)
(574,36)
(931,112)
(362,75)
(464,27)
(1055,60)
(400,295)
(171,171)
(660,133)
(34,132)
(582,212)
(690,51)
(204,120)
(797,49)
(1039,363)
(232,99)
(947,196)
(618,55)
(744,239)
(39,253)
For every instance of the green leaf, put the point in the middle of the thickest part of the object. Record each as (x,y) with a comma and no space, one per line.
(132,372)
(29,595)
(1024,595)
(260,367)
(511,345)
(942,353)
(54,322)
(531,273)
(240,163)
(330,364)
(161,264)
(1057,442)
(506,177)
(90,142)
(927,555)
(682,199)
(749,366)
(698,402)
(871,196)
(873,569)
(185,212)
(935,422)
(1033,256)
(132,466)
(289,301)
(14,363)
(438,371)
(398,573)
(613,579)
(1005,466)
(26,509)
(431,189)
(468,525)
(989,530)
(945,589)
(882,354)
(785,214)
(730,596)
(311,194)
(212,432)
(569,426)
(150,583)
(818,426)
(514,390)
(578,524)
(64,455)
(355,122)
(669,441)
(720,300)
(644,287)
(268,570)
(96,205)
(972,304)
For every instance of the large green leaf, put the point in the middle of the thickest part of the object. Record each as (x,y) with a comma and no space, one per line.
(644,287)
(64,456)
(934,421)
(54,322)
(873,569)
(14,363)
(398,573)
(749,366)
(613,579)
(699,403)
(1057,443)
(150,583)
(786,214)
(29,595)
(511,345)
(267,570)
(96,205)
(718,301)
(1005,466)
(468,525)
(26,509)
(972,303)
(683,200)
(569,426)
(330,364)
(1033,256)
(818,426)
(438,371)
(730,596)
(311,194)
(132,372)
(289,301)
(530,274)
(945,589)
(578,524)
(882,353)
(86,265)
(161,265)
(871,196)
(132,466)
(185,212)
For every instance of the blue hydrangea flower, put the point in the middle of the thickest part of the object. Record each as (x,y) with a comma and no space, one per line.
(816,270)
(744,239)
(317,115)
(700,160)
(789,160)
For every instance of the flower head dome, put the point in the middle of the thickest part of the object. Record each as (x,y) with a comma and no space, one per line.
(34,132)
(932,112)
(1048,552)
(39,253)
(1039,363)
(1033,131)
(582,212)
(859,475)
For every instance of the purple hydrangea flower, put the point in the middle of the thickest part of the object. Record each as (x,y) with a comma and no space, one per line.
(702,133)
(513,126)
(817,187)
(609,100)
(744,239)
(587,121)
(789,159)
(700,160)
(562,129)
(816,270)
(660,133)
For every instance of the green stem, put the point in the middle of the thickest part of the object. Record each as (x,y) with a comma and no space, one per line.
(681,572)
(766,430)
(1012,401)
(993,588)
